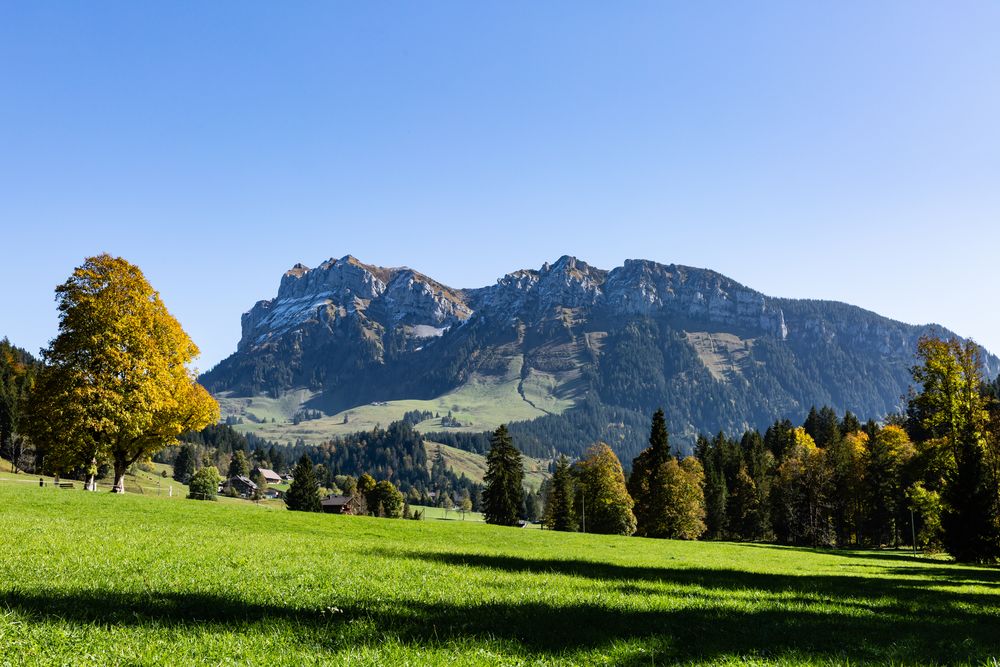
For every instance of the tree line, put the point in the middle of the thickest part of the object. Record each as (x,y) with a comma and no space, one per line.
(929,477)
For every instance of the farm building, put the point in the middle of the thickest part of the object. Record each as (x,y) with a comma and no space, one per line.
(269,476)
(341,504)
(243,486)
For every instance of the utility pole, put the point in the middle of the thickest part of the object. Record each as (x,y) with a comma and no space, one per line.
(913,532)
(583,501)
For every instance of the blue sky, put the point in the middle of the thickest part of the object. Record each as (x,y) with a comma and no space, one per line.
(844,151)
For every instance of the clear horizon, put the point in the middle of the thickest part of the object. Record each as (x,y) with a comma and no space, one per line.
(847,155)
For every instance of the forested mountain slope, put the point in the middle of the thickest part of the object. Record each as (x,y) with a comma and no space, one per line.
(574,352)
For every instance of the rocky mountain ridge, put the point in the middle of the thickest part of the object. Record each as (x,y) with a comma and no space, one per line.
(716,354)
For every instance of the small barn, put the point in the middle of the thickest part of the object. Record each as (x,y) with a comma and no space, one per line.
(269,476)
(341,504)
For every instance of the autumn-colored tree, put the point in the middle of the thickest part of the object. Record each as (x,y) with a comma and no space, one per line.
(802,494)
(115,385)
(926,504)
(607,502)
(745,507)
(952,406)
(949,404)
(364,488)
(888,452)
(684,515)
(847,459)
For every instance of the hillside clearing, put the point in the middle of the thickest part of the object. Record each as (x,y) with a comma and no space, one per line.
(102,579)
(481,404)
(473,465)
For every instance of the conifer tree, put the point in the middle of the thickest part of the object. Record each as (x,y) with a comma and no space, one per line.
(185,464)
(646,483)
(303,494)
(560,513)
(239,466)
(503,495)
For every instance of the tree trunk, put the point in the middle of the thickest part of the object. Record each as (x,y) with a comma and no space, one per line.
(90,484)
(120,469)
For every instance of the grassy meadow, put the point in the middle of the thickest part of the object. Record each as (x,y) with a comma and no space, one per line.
(481,404)
(140,579)
(473,465)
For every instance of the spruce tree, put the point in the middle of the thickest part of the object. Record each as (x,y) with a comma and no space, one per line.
(184,464)
(503,495)
(646,483)
(560,513)
(303,494)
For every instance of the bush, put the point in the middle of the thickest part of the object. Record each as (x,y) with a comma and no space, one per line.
(204,484)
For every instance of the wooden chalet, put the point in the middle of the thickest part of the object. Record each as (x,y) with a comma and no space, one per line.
(341,504)
(269,476)
(243,486)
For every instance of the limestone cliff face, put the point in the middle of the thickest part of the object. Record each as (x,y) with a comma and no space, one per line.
(346,289)
(639,287)
(647,288)
(715,353)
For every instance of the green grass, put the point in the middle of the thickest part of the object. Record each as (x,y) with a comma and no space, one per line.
(99,579)
(138,481)
(439,514)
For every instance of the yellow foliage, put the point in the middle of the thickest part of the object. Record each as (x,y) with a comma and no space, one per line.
(116,385)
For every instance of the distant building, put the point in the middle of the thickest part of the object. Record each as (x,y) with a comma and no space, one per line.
(243,486)
(269,476)
(341,504)
(273,494)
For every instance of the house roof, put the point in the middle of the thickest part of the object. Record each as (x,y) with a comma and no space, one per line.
(335,501)
(269,475)
(242,480)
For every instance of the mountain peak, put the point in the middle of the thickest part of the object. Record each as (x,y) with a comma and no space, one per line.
(714,353)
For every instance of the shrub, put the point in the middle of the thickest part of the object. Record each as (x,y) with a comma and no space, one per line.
(204,484)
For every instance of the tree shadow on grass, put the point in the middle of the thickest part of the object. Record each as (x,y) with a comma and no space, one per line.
(858,618)
(983,575)
(883,620)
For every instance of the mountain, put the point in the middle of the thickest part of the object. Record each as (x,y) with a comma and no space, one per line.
(569,351)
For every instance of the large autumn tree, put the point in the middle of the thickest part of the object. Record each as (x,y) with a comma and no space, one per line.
(115,386)
(953,408)
(607,502)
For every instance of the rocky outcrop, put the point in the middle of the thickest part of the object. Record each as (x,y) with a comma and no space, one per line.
(348,289)
(715,353)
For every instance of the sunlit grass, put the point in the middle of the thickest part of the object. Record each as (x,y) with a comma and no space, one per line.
(98,579)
